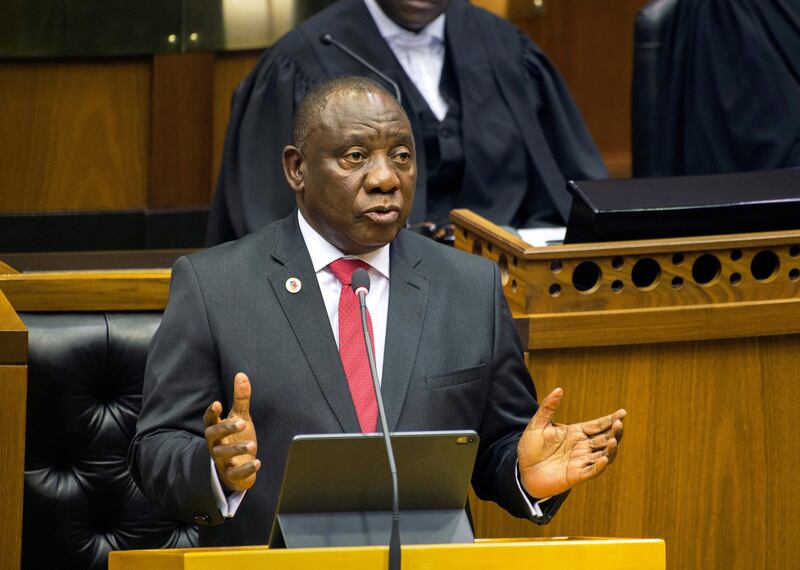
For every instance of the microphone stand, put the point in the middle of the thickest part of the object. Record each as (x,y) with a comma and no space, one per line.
(394,541)
(328,40)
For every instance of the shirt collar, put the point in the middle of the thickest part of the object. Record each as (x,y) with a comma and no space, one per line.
(323,252)
(389,29)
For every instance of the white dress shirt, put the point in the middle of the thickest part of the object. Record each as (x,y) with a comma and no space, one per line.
(420,53)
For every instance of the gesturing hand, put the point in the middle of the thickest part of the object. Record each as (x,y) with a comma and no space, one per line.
(232,442)
(555,457)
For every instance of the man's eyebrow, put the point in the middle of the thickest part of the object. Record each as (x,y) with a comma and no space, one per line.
(359,137)
(405,141)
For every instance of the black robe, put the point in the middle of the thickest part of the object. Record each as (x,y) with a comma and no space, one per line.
(522,133)
(731,87)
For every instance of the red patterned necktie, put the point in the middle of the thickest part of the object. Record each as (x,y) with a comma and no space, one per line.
(351,345)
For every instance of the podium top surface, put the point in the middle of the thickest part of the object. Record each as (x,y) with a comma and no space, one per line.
(478,226)
(562,553)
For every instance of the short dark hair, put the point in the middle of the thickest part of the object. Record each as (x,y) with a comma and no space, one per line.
(312,104)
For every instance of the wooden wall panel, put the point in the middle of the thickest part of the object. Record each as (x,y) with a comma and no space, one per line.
(229,70)
(74,135)
(181,123)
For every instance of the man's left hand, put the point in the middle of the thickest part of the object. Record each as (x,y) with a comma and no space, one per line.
(555,457)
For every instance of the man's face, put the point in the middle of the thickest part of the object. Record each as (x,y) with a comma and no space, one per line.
(413,14)
(355,180)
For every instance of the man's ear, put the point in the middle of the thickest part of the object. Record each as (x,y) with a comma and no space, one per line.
(294,167)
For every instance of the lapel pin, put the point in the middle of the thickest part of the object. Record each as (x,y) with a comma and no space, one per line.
(293,285)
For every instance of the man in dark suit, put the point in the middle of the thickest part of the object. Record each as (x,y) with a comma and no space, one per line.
(266,312)
(497,130)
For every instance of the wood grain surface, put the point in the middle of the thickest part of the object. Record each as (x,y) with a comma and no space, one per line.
(700,271)
(120,290)
(181,127)
(74,135)
(709,462)
(13,394)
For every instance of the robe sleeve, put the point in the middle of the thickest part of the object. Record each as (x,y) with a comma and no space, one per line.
(570,142)
(251,190)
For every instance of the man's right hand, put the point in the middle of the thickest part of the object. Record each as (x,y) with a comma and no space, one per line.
(232,442)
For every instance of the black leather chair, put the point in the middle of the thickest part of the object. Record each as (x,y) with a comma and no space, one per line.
(84,395)
(650,36)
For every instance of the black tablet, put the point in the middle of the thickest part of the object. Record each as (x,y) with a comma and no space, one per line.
(337,491)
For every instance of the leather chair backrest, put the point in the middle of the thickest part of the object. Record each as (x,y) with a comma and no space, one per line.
(650,37)
(84,395)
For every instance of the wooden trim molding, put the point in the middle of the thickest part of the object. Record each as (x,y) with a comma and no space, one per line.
(119,290)
(656,325)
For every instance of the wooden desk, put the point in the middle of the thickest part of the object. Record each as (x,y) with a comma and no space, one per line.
(707,372)
(563,554)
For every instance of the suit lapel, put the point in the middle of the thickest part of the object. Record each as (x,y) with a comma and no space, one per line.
(305,311)
(408,299)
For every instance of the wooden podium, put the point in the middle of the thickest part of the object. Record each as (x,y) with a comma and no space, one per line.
(698,338)
(560,553)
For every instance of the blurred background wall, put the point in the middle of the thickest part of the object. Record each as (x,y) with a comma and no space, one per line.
(110,105)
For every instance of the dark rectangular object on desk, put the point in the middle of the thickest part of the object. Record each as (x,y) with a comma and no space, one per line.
(350,504)
(652,208)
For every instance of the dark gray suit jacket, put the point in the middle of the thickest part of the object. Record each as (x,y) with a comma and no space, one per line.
(452,361)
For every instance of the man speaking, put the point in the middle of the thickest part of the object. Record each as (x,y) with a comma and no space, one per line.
(262,327)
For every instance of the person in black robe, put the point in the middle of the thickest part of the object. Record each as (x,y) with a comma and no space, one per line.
(730,86)
(511,138)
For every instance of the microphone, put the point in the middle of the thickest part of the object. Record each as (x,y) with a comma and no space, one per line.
(360,286)
(328,40)
(360,283)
